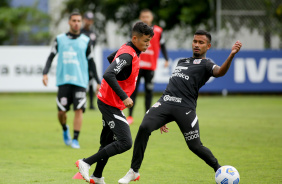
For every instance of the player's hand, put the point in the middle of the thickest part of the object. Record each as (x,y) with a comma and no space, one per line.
(236,47)
(45,80)
(128,102)
(164,129)
(166,63)
(98,87)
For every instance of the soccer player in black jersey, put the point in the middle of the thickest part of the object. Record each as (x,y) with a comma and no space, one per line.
(178,103)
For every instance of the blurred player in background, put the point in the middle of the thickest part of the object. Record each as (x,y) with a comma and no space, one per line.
(148,61)
(179,102)
(88,21)
(119,82)
(74,61)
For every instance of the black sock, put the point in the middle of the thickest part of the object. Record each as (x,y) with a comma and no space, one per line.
(100,167)
(64,127)
(102,154)
(75,134)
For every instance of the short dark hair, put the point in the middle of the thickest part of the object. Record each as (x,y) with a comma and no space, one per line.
(146,10)
(202,32)
(140,29)
(74,13)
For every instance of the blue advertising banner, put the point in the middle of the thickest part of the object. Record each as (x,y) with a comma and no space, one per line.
(250,71)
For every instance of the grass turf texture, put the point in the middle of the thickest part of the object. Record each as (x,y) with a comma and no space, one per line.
(242,131)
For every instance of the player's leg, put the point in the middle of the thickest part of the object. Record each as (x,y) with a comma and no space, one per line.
(188,123)
(91,93)
(79,103)
(149,87)
(106,138)
(63,105)
(133,97)
(115,139)
(157,116)
(115,119)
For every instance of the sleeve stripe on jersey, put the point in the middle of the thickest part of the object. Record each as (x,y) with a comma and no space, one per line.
(194,121)
(120,118)
(60,105)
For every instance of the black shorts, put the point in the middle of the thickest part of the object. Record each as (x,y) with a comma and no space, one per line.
(162,113)
(70,94)
(115,128)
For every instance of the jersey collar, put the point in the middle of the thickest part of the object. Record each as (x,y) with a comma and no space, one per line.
(138,52)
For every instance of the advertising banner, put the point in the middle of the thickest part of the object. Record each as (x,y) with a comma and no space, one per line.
(250,71)
(21,68)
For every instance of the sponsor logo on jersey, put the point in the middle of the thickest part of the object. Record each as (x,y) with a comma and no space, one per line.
(191,135)
(70,57)
(71,61)
(180,68)
(69,77)
(145,63)
(181,75)
(111,124)
(120,64)
(172,99)
(197,61)
(177,73)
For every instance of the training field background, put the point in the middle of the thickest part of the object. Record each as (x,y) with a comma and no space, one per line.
(242,131)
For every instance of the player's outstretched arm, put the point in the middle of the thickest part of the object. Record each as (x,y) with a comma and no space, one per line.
(221,71)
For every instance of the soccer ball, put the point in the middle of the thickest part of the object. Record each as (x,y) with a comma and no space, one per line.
(227,175)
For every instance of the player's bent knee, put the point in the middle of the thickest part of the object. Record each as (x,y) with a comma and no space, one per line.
(126,145)
(144,129)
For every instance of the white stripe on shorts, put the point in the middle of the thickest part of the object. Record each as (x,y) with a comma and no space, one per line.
(81,103)
(120,118)
(194,121)
(60,105)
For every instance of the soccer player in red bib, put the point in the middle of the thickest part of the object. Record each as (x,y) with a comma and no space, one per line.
(119,82)
(148,61)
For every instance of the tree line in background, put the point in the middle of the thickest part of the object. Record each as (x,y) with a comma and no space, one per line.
(30,25)
(26,25)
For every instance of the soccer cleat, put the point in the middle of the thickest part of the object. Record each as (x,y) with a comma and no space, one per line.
(75,144)
(130,176)
(97,180)
(66,136)
(83,168)
(129,120)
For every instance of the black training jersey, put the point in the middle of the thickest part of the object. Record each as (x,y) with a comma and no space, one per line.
(189,76)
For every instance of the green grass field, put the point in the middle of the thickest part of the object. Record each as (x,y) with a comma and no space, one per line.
(242,131)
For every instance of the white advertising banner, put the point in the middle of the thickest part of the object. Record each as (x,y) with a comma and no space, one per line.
(21,68)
